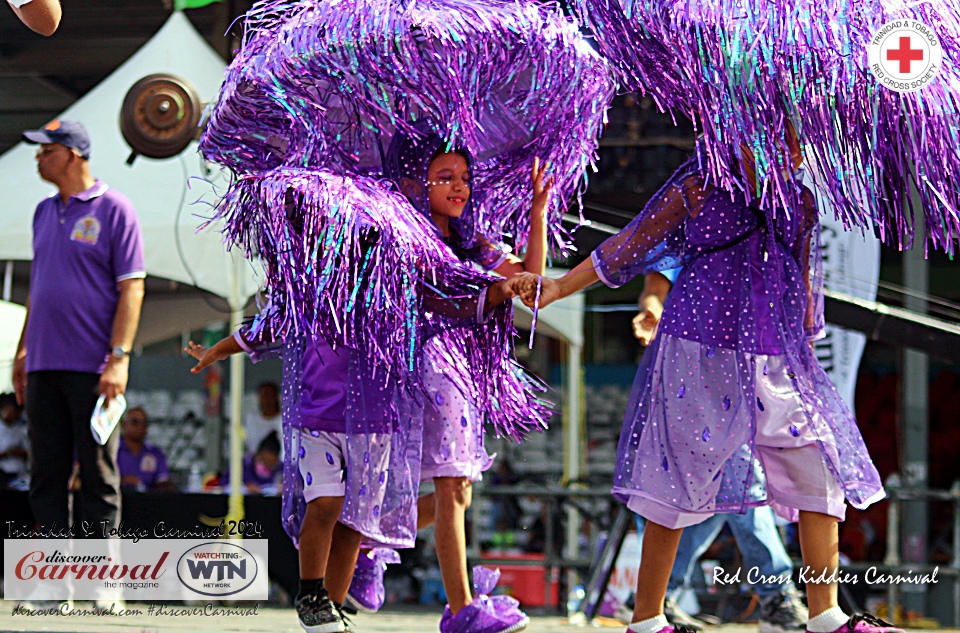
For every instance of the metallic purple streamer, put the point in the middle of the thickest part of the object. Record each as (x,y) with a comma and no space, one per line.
(348,260)
(742,69)
(326,84)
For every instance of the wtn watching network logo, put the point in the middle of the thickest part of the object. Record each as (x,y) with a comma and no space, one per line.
(218,568)
(135,570)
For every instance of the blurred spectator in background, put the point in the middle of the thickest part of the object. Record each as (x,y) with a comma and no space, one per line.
(257,425)
(261,470)
(13,440)
(506,511)
(537,535)
(143,466)
(41,16)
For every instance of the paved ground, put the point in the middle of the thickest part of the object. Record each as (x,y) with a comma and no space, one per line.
(267,620)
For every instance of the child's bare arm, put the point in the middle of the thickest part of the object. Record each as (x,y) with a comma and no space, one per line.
(535,256)
(224,348)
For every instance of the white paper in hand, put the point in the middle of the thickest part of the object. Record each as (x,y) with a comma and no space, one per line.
(104,420)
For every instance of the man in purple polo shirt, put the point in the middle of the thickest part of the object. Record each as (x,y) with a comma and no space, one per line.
(86,290)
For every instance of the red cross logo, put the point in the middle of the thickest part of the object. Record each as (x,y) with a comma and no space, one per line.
(905,54)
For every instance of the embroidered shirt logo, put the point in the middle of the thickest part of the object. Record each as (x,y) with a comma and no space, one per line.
(86,230)
(148,464)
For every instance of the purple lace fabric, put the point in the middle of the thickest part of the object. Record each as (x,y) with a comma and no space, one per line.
(452,427)
(742,69)
(382,451)
(750,285)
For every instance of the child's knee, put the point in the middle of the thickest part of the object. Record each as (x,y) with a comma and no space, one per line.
(454,490)
(325,510)
(347,535)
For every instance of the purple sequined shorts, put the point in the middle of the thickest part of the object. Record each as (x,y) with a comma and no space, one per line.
(797,477)
(321,464)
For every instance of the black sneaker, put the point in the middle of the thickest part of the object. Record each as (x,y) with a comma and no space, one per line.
(345,614)
(783,613)
(318,614)
(678,617)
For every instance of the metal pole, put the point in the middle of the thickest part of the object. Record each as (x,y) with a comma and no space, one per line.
(955,489)
(548,550)
(235,504)
(8,281)
(915,421)
(893,540)
(572,449)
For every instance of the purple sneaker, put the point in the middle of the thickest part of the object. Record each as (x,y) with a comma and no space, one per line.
(867,623)
(486,614)
(366,590)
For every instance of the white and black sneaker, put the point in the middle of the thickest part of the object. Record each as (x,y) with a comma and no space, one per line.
(345,616)
(678,617)
(783,612)
(318,614)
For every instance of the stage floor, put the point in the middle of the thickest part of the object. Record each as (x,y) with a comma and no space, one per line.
(270,620)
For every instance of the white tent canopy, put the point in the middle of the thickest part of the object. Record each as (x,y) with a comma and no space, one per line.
(11,324)
(170,195)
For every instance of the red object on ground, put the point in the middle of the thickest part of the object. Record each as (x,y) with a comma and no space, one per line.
(526,583)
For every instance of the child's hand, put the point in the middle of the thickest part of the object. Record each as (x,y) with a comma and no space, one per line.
(646,322)
(525,285)
(195,350)
(541,187)
(511,288)
(645,326)
(206,356)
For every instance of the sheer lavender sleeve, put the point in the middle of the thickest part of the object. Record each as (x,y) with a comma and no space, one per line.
(489,254)
(654,240)
(460,304)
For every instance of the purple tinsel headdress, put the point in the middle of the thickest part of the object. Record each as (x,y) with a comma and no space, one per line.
(742,70)
(329,84)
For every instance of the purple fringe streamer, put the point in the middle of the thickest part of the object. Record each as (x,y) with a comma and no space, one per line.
(741,69)
(326,84)
(350,261)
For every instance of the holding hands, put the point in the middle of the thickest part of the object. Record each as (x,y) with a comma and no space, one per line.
(525,287)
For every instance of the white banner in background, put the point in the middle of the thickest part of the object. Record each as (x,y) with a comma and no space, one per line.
(851,265)
(138,570)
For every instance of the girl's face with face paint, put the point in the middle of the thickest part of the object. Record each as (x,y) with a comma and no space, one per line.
(448,185)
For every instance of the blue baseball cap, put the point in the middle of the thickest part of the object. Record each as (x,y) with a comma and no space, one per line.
(68,133)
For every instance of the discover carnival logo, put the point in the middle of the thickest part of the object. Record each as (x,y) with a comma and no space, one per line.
(218,568)
(59,566)
(905,55)
(134,570)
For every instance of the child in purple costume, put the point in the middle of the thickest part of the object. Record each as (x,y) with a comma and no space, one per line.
(315,429)
(438,183)
(730,387)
